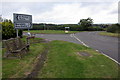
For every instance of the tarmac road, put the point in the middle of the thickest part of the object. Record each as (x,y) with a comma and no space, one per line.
(64,37)
(104,44)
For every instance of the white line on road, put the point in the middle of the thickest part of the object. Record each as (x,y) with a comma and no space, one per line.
(79,40)
(89,32)
(97,50)
(72,35)
(42,35)
(108,57)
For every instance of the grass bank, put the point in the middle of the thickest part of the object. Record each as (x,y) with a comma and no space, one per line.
(109,34)
(66,60)
(20,68)
(50,31)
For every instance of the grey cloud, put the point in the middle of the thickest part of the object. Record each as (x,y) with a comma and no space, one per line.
(114,12)
(96,7)
(39,8)
(33,7)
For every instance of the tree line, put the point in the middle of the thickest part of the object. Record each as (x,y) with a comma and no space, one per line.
(83,25)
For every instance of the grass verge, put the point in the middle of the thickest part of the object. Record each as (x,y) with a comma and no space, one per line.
(50,31)
(109,34)
(20,68)
(63,61)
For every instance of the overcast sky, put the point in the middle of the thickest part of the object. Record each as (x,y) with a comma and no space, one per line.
(63,11)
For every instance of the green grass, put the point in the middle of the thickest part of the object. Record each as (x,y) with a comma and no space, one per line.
(64,62)
(109,34)
(19,68)
(0,59)
(50,31)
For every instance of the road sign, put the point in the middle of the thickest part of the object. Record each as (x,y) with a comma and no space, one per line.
(67,27)
(23,25)
(22,21)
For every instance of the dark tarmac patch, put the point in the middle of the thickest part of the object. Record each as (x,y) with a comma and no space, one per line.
(84,54)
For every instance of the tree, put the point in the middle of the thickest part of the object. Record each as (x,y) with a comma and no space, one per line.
(86,23)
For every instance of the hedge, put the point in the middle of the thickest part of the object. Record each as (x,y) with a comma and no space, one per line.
(114,28)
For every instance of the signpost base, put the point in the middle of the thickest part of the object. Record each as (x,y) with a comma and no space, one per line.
(17,32)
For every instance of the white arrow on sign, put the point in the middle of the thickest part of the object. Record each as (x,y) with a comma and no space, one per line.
(22,17)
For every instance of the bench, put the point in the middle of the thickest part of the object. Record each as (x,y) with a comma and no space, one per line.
(15,46)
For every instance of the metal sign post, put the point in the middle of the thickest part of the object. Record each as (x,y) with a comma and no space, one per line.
(17,32)
(66,29)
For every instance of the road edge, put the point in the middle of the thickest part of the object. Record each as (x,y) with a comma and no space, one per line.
(72,35)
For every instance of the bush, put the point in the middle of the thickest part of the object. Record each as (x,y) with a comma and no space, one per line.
(115,28)
(8,30)
(95,28)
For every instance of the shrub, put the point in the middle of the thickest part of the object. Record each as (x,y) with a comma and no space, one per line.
(114,28)
(8,30)
(95,28)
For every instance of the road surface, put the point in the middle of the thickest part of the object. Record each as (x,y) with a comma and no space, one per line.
(104,44)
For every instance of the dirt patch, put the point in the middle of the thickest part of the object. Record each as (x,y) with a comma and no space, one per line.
(84,54)
(40,62)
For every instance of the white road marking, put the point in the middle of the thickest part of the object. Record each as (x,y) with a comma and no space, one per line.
(89,32)
(79,40)
(97,50)
(72,35)
(42,35)
(108,57)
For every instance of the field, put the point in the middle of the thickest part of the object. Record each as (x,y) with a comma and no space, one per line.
(64,60)
(50,31)
(109,34)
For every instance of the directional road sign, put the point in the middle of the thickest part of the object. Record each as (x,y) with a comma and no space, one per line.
(67,27)
(22,21)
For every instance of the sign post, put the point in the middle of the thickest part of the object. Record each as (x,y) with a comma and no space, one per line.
(17,32)
(22,21)
(66,29)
